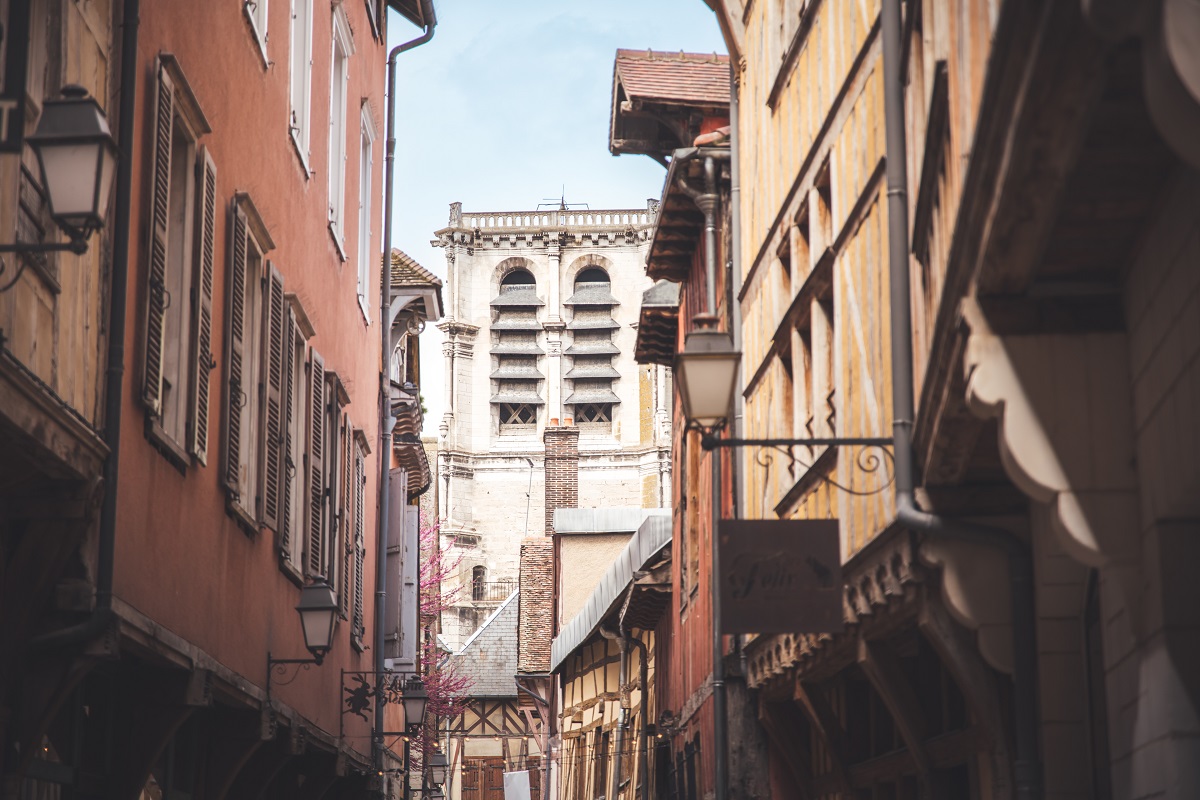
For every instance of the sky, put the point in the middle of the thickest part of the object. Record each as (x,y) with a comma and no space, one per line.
(508,106)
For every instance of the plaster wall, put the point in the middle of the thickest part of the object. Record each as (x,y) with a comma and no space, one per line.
(583,560)
(181,559)
(1152,647)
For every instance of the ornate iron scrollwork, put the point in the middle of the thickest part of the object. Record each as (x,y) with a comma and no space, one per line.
(872,456)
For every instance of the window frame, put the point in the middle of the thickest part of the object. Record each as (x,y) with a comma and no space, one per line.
(341,49)
(300,65)
(366,169)
(185,442)
(290,535)
(257,13)
(248,354)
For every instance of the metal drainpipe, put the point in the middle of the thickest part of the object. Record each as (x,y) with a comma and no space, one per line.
(735,312)
(386,420)
(643,678)
(1027,766)
(707,202)
(623,673)
(103,614)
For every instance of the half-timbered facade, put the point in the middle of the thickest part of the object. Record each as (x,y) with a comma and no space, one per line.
(1014,623)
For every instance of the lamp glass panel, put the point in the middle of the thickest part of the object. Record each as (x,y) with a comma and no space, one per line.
(108,170)
(708,383)
(414,705)
(318,627)
(69,171)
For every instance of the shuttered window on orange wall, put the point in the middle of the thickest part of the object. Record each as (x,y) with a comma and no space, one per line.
(314,548)
(358,626)
(176,352)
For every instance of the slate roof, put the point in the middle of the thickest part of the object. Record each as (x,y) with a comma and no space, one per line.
(674,77)
(489,657)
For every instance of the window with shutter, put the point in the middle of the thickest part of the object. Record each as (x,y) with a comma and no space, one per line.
(343,48)
(294,474)
(314,546)
(274,339)
(202,357)
(292,450)
(346,518)
(358,627)
(249,318)
(180,227)
(301,76)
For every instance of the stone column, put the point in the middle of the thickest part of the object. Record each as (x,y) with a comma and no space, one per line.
(554,326)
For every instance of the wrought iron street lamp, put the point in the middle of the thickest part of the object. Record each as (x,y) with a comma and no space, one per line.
(76,157)
(438,767)
(706,374)
(415,699)
(318,609)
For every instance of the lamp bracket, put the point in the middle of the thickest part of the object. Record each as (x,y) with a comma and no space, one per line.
(871,455)
(281,667)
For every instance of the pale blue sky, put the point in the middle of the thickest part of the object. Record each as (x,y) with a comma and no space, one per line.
(508,104)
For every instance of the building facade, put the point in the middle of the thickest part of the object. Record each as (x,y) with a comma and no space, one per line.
(969,227)
(193,406)
(539,328)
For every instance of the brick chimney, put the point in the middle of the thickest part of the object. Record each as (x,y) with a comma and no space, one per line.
(536,606)
(562,470)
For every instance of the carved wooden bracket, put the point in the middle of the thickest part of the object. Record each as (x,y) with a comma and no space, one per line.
(1170,62)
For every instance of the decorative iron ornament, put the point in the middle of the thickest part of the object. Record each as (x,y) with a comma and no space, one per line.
(872,456)
(365,686)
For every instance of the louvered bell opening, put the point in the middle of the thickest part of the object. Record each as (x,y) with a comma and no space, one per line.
(592,294)
(518,296)
(592,347)
(591,367)
(517,392)
(597,321)
(516,344)
(592,391)
(517,368)
(509,321)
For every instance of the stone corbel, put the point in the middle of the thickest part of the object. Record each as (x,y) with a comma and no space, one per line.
(1170,36)
(1063,402)
(977,591)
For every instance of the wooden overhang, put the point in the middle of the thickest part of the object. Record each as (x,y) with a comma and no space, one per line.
(410,10)
(661,101)
(679,228)
(658,325)
(1056,202)
(407,446)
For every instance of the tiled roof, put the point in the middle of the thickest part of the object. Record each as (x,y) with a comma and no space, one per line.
(674,77)
(407,272)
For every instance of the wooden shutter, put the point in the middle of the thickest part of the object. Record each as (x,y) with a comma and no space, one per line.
(360,549)
(202,359)
(315,544)
(236,395)
(288,473)
(156,274)
(347,517)
(274,343)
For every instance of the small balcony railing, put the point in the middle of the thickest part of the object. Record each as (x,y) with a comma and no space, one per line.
(492,591)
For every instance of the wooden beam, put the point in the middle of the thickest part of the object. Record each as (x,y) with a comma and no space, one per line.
(263,767)
(825,723)
(960,655)
(783,732)
(154,708)
(235,737)
(883,669)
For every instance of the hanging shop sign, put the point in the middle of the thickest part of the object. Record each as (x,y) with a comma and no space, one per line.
(14,45)
(780,576)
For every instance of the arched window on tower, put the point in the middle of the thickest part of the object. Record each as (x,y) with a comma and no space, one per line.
(478,583)
(515,353)
(592,349)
